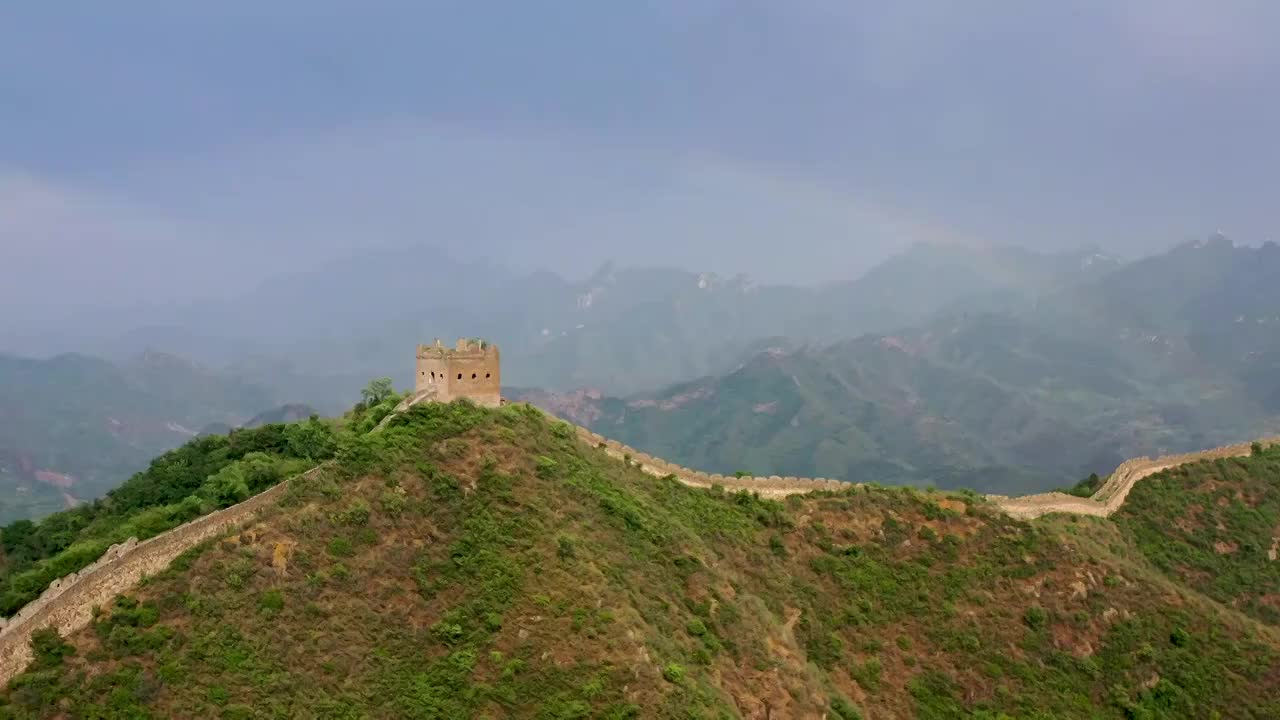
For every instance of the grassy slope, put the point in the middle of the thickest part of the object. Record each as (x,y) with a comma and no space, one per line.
(472,563)
(1214,526)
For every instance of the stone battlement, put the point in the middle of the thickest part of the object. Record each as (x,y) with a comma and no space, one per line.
(470,369)
(464,347)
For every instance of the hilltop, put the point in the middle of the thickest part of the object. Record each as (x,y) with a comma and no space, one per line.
(466,562)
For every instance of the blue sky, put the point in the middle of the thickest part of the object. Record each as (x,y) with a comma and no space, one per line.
(177,150)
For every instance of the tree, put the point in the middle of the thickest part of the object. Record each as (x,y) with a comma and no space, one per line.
(377,391)
(311,439)
(228,486)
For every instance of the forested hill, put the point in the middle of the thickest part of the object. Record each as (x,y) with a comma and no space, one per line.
(466,562)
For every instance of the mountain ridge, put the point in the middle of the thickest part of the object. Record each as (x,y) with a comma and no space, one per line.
(68,601)
(1075,639)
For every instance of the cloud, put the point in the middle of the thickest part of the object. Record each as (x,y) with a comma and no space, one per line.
(66,246)
(214,224)
(795,140)
(1200,41)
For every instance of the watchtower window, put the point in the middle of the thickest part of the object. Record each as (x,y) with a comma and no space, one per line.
(473,376)
(459,376)
(486,375)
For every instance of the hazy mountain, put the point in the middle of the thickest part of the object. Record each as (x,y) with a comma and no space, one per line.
(987,401)
(320,334)
(73,426)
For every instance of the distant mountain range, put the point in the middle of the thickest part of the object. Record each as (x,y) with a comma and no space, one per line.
(320,335)
(999,368)
(1167,354)
(72,427)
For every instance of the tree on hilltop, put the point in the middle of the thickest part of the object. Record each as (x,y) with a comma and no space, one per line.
(377,391)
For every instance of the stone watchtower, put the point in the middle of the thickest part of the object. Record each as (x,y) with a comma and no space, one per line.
(467,370)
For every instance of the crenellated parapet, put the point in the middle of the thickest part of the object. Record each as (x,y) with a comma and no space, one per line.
(1103,503)
(471,369)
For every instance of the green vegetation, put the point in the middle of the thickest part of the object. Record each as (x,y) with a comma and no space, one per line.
(1214,526)
(466,562)
(206,474)
(1086,487)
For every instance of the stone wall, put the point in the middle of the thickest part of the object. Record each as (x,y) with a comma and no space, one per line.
(772,486)
(1113,492)
(67,605)
(1103,503)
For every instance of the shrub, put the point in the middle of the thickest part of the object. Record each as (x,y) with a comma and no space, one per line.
(446,632)
(1256,448)
(842,709)
(545,467)
(341,547)
(393,501)
(49,649)
(1035,617)
(564,548)
(357,514)
(673,672)
(271,602)
(777,547)
(867,674)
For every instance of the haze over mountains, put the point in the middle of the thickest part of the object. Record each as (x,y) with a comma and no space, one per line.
(74,426)
(1007,391)
(1001,369)
(619,329)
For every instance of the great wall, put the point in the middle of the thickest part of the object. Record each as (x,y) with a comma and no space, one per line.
(68,603)
(1102,503)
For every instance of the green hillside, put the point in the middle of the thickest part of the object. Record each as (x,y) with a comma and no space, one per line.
(484,563)
(1214,526)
